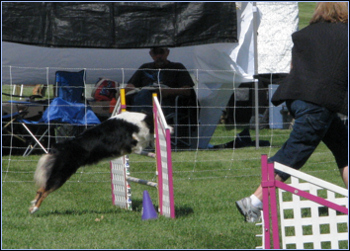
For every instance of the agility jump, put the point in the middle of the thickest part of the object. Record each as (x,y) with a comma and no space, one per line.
(120,168)
(312,222)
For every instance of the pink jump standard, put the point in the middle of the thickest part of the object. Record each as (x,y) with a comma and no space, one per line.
(306,216)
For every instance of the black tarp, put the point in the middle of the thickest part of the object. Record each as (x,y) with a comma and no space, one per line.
(119,25)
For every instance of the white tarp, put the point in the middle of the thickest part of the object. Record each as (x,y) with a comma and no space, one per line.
(217,68)
(277,21)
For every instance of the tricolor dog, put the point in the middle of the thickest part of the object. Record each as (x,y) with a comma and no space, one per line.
(128,132)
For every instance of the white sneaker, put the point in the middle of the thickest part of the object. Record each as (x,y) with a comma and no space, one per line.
(251,213)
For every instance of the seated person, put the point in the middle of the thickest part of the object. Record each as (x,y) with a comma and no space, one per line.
(172,77)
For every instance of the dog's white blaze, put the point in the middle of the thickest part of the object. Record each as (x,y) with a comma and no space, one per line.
(132,117)
(143,136)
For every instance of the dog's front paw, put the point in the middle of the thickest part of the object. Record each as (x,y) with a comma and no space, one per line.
(137,149)
(32,210)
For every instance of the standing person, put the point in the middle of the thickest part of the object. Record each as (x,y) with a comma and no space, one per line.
(315,91)
(169,79)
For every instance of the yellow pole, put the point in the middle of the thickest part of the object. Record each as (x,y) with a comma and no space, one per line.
(154,95)
(122,100)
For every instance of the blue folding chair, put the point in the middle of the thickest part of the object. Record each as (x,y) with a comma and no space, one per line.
(68,108)
(70,86)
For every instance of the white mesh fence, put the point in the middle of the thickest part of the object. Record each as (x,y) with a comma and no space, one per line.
(196,163)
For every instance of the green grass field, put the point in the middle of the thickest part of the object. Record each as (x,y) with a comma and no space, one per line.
(206,185)
(305,13)
(80,215)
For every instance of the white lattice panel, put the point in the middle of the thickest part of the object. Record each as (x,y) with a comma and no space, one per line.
(121,193)
(308,225)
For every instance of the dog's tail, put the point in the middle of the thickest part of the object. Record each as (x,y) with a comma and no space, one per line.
(44,169)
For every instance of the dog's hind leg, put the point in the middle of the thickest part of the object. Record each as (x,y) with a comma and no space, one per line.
(41,194)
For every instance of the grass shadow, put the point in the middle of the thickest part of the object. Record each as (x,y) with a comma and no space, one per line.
(73,212)
(182,211)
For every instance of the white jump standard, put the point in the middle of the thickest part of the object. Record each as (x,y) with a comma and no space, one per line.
(120,170)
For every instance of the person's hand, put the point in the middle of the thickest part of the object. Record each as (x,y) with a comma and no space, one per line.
(166,92)
(184,91)
(129,87)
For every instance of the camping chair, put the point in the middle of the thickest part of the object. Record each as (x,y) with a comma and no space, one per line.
(14,137)
(184,121)
(68,108)
(181,118)
(69,87)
